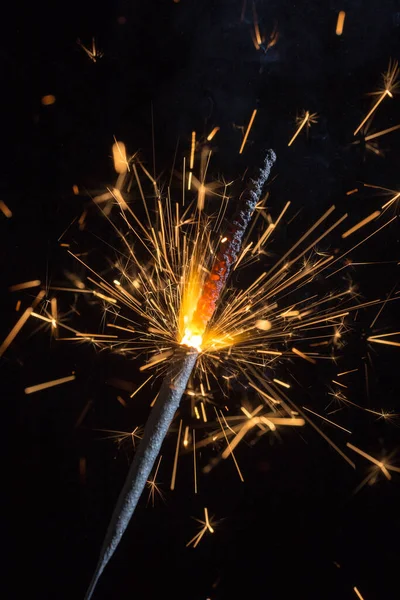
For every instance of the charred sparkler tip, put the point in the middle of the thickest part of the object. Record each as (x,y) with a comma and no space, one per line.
(230,245)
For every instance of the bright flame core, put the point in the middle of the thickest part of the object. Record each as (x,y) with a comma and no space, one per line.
(191,339)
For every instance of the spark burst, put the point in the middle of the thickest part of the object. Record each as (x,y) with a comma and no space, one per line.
(168,302)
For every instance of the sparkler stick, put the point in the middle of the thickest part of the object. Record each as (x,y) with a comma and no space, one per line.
(157,426)
(182,365)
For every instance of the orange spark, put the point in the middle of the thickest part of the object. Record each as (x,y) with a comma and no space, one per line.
(15,330)
(25,285)
(212,134)
(390,84)
(175,467)
(5,210)
(358,593)
(365,221)
(253,116)
(48,100)
(192,149)
(48,384)
(305,356)
(121,165)
(340,22)
(307,119)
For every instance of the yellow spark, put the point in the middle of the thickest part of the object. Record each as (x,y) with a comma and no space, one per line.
(194,462)
(186,436)
(253,116)
(376,462)
(325,419)
(358,593)
(141,386)
(272,352)
(230,451)
(207,526)
(5,210)
(92,53)
(380,133)
(15,330)
(358,226)
(282,383)
(190,175)
(121,165)
(152,484)
(175,467)
(378,339)
(346,372)
(25,285)
(340,22)
(196,412)
(18,306)
(390,84)
(353,191)
(212,134)
(307,119)
(258,39)
(48,384)
(305,356)
(53,305)
(192,150)
(203,412)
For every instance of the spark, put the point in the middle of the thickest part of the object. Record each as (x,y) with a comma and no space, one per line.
(385,468)
(340,22)
(253,116)
(207,525)
(15,330)
(358,594)
(153,485)
(378,339)
(140,386)
(121,164)
(390,85)
(5,210)
(282,383)
(175,467)
(305,356)
(93,53)
(166,293)
(212,134)
(48,384)
(194,462)
(25,285)
(358,226)
(306,119)
(192,151)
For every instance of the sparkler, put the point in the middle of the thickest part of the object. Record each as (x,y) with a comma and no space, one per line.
(181,367)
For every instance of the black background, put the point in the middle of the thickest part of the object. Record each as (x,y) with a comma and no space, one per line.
(193,65)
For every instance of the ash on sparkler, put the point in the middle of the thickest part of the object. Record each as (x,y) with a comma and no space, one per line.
(181,367)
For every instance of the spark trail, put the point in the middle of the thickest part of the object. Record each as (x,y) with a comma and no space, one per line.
(180,369)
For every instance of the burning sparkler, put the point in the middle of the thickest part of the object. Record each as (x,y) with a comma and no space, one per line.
(199,307)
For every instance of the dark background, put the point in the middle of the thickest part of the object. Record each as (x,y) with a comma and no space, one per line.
(294,528)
